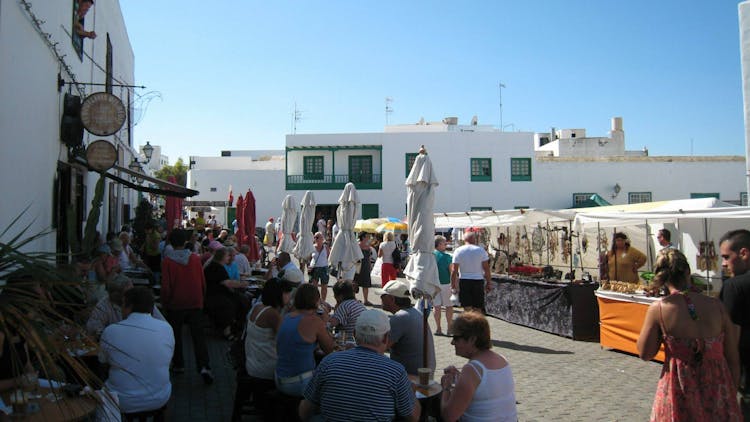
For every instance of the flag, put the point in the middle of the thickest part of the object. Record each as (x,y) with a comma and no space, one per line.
(231,197)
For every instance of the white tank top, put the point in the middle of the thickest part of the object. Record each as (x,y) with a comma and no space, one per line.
(495,396)
(260,350)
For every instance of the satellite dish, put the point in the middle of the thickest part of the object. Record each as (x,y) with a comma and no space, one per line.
(474,121)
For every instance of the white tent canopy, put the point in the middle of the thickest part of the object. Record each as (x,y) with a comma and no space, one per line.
(653,212)
(499,218)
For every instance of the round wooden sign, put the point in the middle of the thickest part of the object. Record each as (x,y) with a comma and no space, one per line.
(102,114)
(101,155)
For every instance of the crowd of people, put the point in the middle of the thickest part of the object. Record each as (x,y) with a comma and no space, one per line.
(350,361)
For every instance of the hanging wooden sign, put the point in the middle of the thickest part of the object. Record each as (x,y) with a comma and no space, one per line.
(102,114)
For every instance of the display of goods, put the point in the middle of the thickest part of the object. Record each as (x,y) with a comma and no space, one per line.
(621,286)
(524,269)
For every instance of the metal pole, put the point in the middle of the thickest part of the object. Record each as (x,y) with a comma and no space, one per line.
(501,86)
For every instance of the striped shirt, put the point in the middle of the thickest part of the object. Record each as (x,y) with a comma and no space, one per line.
(360,384)
(346,314)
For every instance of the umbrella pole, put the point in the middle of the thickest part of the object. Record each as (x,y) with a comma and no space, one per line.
(425,328)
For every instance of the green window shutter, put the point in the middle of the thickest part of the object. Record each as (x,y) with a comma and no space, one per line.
(360,169)
(639,197)
(481,169)
(313,167)
(520,169)
(410,158)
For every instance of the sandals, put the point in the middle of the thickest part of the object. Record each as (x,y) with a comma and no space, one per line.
(439,332)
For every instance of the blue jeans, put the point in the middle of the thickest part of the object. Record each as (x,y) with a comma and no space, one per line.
(293,388)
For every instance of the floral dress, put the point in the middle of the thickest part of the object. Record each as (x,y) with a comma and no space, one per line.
(695,383)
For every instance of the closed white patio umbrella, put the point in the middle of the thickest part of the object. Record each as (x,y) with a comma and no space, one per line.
(345,252)
(288,215)
(421,270)
(304,248)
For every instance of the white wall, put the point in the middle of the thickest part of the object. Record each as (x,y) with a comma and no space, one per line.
(30,121)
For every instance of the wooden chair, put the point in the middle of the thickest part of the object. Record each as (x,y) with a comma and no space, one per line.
(252,391)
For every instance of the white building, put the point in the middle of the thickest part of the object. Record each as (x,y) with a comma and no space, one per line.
(42,58)
(478,168)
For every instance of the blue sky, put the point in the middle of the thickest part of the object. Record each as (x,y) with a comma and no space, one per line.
(229,73)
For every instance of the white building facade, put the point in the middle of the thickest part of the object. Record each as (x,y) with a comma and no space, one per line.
(478,168)
(42,58)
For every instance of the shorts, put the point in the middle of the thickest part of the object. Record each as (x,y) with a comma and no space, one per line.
(471,293)
(319,274)
(444,297)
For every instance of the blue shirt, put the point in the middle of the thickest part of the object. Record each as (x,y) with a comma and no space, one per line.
(233,270)
(295,355)
(360,385)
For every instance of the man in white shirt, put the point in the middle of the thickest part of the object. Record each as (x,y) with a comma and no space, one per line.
(471,273)
(243,265)
(138,350)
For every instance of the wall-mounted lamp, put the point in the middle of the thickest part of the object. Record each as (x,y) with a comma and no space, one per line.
(135,166)
(148,151)
(616,190)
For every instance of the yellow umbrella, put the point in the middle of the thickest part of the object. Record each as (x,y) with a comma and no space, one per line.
(392,226)
(368,226)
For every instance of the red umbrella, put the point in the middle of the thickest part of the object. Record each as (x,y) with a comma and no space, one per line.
(173,209)
(249,217)
(239,214)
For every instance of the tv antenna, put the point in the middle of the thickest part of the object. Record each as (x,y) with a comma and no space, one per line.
(296,117)
(388,109)
(501,86)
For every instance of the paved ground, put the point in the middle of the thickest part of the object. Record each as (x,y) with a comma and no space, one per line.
(556,378)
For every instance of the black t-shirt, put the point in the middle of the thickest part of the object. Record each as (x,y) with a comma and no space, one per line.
(735,293)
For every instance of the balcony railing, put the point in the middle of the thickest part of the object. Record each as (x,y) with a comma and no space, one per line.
(332,181)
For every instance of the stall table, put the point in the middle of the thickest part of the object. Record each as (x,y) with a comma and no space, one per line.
(565,309)
(621,317)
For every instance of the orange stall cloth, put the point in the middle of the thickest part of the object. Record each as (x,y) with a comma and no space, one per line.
(620,320)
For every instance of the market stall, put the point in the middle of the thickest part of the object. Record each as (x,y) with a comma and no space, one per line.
(621,317)
(566,309)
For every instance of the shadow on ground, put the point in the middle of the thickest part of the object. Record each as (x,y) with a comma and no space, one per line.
(530,349)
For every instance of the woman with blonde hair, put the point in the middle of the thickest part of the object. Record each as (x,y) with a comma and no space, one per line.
(385,251)
(701,370)
(484,389)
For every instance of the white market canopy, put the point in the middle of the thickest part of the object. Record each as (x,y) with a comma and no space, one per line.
(661,211)
(607,216)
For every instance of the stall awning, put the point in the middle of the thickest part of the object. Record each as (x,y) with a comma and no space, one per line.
(151,185)
(594,200)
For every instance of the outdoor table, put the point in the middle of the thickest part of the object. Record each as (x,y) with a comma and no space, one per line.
(139,277)
(260,271)
(429,397)
(64,409)
(561,308)
(621,317)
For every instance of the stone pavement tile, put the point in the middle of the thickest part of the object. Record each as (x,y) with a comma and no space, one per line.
(556,378)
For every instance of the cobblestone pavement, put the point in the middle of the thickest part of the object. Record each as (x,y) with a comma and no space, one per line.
(556,378)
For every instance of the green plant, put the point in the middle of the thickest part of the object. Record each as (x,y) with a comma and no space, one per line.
(37,299)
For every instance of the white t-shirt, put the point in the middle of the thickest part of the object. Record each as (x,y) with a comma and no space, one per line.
(469,259)
(387,248)
(138,350)
(322,226)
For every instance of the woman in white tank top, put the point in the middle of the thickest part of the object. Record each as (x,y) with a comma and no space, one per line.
(484,389)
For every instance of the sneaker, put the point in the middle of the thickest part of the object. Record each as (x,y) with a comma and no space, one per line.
(208,377)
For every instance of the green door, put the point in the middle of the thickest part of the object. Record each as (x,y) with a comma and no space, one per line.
(360,168)
(370,211)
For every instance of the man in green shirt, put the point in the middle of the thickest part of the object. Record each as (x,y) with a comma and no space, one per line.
(442,300)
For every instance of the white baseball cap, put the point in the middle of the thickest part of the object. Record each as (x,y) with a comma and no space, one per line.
(373,322)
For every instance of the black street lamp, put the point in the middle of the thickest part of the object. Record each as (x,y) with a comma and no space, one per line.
(148,151)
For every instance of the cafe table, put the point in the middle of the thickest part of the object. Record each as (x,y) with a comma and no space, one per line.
(55,406)
(429,397)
